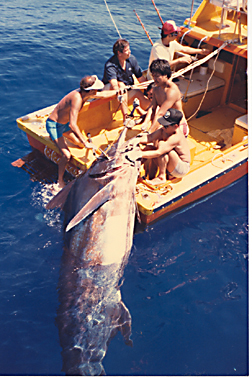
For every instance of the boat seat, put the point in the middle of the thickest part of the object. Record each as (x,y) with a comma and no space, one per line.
(198,84)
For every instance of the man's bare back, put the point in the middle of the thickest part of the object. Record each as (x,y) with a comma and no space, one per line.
(61,112)
(63,121)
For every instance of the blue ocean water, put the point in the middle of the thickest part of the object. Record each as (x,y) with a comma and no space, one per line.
(186,283)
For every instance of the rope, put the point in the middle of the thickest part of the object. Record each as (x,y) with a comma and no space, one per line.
(207,85)
(221,154)
(112,19)
(199,62)
(190,78)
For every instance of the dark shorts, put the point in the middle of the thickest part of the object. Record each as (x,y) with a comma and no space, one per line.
(56,129)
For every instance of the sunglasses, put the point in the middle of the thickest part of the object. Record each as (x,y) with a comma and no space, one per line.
(174,34)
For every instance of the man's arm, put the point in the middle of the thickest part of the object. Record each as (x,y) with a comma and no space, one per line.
(187,58)
(146,138)
(192,50)
(163,148)
(167,104)
(105,94)
(147,119)
(141,79)
(114,84)
(75,107)
(187,50)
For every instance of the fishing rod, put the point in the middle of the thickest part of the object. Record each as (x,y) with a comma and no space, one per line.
(146,32)
(157,10)
(191,14)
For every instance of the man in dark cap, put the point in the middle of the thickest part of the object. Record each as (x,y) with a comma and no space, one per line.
(169,151)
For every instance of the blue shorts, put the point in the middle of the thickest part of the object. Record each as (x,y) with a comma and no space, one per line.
(56,129)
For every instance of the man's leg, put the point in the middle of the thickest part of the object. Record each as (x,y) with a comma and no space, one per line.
(173,160)
(137,93)
(70,135)
(162,162)
(166,162)
(66,155)
(150,165)
(124,101)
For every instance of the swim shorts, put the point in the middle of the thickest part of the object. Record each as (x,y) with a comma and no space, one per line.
(56,129)
(184,128)
(181,169)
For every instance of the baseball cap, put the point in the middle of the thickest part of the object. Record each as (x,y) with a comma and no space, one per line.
(170,27)
(171,117)
(98,84)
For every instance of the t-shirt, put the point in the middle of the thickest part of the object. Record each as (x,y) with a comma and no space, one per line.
(160,51)
(113,70)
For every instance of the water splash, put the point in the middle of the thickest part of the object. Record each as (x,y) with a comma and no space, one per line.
(40,196)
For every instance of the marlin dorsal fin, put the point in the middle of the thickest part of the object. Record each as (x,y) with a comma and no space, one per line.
(95,202)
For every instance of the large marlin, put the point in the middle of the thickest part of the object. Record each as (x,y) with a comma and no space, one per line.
(100,210)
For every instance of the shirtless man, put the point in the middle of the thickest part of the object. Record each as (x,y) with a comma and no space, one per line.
(170,150)
(63,121)
(166,95)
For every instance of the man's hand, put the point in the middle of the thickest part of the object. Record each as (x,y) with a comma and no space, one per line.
(120,94)
(87,145)
(204,51)
(186,59)
(134,155)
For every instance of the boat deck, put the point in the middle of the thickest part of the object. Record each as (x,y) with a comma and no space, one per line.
(219,20)
(210,141)
(210,132)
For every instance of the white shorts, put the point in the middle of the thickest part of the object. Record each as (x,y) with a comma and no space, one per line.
(181,169)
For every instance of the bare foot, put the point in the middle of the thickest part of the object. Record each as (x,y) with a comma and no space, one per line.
(156,181)
(56,187)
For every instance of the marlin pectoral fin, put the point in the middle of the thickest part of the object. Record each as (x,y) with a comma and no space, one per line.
(59,199)
(95,202)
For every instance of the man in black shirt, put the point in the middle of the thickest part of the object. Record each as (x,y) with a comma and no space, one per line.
(119,71)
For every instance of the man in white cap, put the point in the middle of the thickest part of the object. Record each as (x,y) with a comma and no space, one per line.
(63,120)
(166,46)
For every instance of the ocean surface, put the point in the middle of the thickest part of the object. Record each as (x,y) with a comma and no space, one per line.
(186,282)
